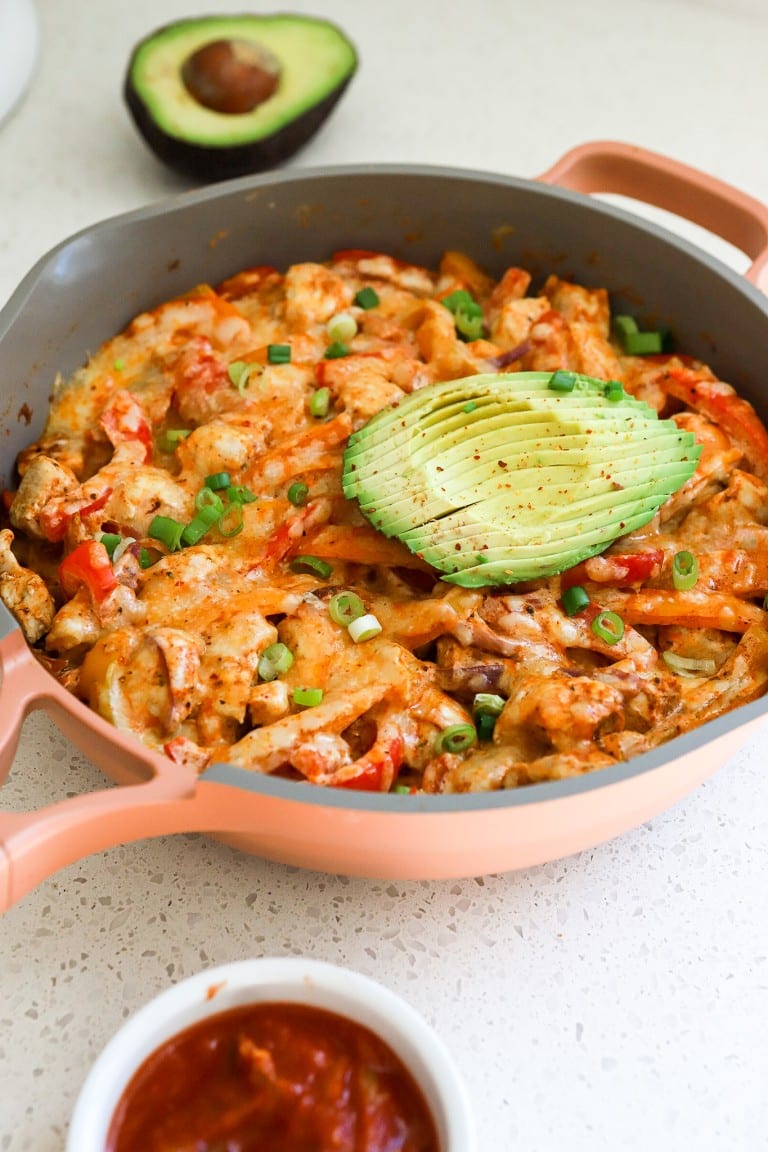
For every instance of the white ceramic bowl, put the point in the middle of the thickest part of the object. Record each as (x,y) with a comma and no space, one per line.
(301,981)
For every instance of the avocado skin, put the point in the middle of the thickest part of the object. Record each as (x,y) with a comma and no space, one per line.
(209,163)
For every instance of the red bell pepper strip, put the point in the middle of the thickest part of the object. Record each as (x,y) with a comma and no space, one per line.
(88,565)
(621,570)
(55,518)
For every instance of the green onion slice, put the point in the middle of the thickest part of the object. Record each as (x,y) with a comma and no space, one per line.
(217,481)
(240,372)
(146,558)
(239,495)
(562,381)
(456,738)
(614,390)
(469,323)
(488,704)
(486,725)
(367,298)
(308,697)
(342,327)
(167,530)
(320,402)
(297,494)
(459,299)
(633,341)
(199,525)
(279,353)
(608,627)
(345,607)
(574,600)
(110,540)
(274,661)
(336,350)
(364,628)
(206,499)
(231,523)
(173,437)
(685,570)
(312,565)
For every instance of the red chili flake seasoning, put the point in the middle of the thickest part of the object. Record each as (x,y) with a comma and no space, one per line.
(274,1076)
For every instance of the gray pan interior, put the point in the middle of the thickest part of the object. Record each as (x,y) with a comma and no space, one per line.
(90,286)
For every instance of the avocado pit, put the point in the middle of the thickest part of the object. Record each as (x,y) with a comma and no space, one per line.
(231,76)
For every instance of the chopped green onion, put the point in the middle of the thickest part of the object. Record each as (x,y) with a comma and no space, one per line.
(608,627)
(342,327)
(240,372)
(685,570)
(207,498)
(119,365)
(308,697)
(173,438)
(470,406)
(279,353)
(345,607)
(402,790)
(110,540)
(231,523)
(469,322)
(488,704)
(643,343)
(574,600)
(336,350)
(218,481)
(312,565)
(320,402)
(367,298)
(459,299)
(614,390)
(200,524)
(274,661)
(633,341)
(486,725)
(239,495)
(167,530)
(456,738)
(236,370)
(146,559)
(687,665)
(625,325)
(297,494)
(562,381)
(364,628)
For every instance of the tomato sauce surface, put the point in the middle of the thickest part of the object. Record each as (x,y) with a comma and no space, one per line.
(277,1076)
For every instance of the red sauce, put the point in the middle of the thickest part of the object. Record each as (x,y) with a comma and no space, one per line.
(282,1077)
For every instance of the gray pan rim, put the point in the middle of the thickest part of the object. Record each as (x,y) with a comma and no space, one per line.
(306,793)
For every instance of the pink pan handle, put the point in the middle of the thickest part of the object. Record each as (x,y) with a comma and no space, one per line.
(34,845)
(607,166)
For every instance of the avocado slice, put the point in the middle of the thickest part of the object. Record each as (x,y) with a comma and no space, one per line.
(496,479)
(220,96)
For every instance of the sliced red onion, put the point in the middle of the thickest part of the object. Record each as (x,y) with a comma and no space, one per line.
(504,359)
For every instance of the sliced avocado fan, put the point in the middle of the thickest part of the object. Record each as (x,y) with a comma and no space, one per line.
(496,479)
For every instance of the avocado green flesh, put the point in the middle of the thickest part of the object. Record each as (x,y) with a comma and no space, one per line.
(317,61)
(497,479)
(527,476)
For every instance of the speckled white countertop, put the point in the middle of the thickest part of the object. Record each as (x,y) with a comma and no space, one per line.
(615,1000)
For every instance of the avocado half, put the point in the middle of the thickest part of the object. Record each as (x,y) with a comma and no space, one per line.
(220,96)
(497,479)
